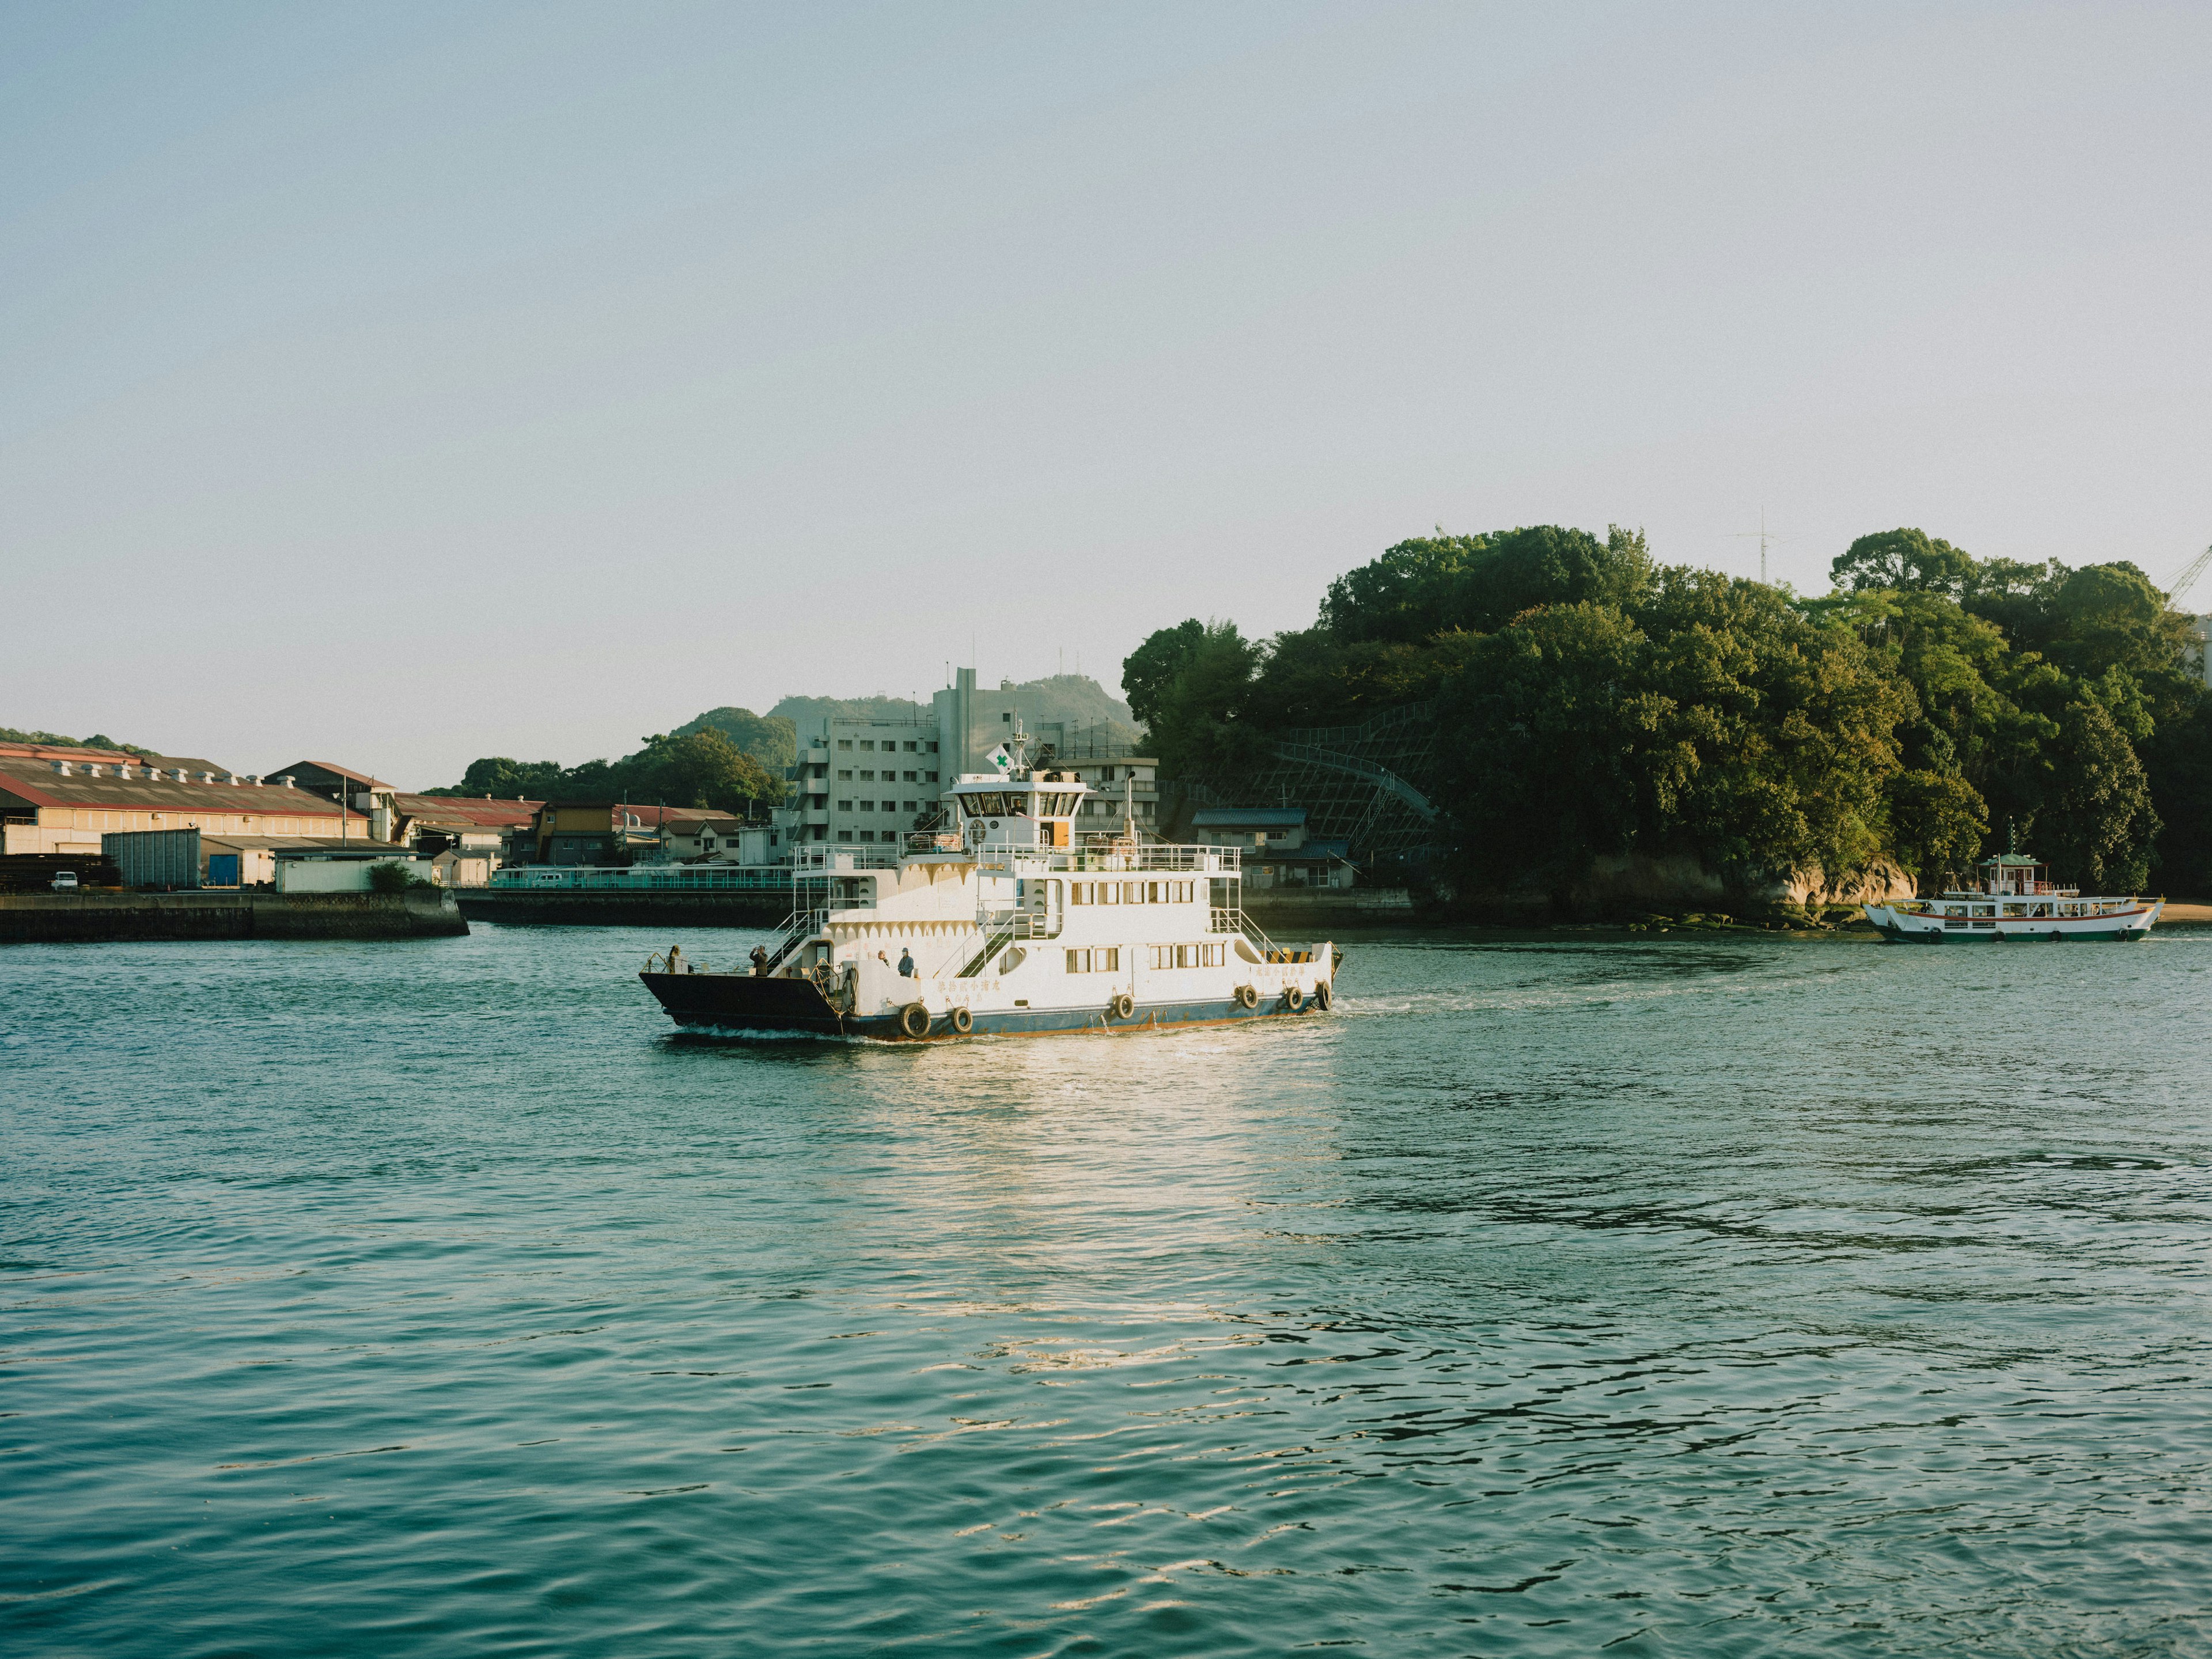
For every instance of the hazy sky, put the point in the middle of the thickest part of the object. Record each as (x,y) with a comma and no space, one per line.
(396,385)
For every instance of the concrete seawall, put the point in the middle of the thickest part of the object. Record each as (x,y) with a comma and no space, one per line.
(70,918)
(554,908)
(1307,914)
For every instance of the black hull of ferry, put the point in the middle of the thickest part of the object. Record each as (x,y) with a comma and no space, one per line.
(737,1005)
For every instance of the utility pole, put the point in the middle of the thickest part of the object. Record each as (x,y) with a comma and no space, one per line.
(1763,537)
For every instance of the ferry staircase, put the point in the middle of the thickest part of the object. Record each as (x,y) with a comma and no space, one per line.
(793,931)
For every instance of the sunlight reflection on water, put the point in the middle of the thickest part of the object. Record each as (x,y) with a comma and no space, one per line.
(1694,1296)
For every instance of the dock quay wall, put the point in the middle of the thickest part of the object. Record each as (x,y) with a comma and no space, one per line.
(557,907)
(76,918)
(1314,913)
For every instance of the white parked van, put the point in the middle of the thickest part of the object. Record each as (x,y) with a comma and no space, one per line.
(64,881)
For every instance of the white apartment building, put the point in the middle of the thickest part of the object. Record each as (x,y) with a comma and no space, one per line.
(872,780)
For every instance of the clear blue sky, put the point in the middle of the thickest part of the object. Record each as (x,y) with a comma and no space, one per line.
(396,385)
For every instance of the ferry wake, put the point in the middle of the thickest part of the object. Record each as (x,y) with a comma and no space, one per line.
(1007,923)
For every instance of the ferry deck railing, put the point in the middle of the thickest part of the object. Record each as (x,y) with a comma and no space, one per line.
(644,877)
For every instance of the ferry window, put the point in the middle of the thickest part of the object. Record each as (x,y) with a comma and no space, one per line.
(1109,892)
(844,742)
(1152,892)
(1078,892)
(1183,954)
(1075,963)
(1109,960)
(844,806)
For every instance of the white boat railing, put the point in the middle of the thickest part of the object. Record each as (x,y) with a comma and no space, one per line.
(1100,855)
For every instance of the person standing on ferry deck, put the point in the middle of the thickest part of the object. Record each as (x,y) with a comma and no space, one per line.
(905,963)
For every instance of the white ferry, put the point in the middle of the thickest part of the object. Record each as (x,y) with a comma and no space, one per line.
(2014,898)
(1009,923)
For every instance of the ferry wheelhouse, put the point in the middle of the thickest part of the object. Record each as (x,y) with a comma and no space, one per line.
(2014,898)
(1010,922)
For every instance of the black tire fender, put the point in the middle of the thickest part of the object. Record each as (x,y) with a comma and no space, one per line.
(913,1020)
(963,1021)
(1247,997)
(1293,998)
(1122,1006)
(1322,997)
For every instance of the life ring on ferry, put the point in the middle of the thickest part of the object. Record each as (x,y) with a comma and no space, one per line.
(1293,998)
(913,1020)
(1247,997)
(1321,996)
(1122,1006)
(963,1021)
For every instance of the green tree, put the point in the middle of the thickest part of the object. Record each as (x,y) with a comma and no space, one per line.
(697,769)
(1906,561)
(503,778)
(1429,586)
(1148,671)
(1937,823)
(771,739)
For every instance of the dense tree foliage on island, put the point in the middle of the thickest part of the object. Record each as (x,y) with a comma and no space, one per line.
(1591,700)
(690,768)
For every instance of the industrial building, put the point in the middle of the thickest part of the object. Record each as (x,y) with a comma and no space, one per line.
(63,800)
(181,861)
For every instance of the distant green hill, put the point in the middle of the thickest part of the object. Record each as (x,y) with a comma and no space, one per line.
(769,738)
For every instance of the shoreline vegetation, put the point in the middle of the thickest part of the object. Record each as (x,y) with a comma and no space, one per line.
(1617,736)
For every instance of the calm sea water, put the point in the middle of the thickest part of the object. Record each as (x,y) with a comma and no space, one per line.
(1680,1297)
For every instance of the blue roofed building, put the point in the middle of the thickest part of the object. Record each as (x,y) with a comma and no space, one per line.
(1277,851)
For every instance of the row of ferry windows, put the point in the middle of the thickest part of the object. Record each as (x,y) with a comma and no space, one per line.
(994,803)
(1108,960)
(890,745)
(1131,892)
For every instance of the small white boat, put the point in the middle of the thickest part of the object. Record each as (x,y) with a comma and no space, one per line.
(1012,923)
(2014,899)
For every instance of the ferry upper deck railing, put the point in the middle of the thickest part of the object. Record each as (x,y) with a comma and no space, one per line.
(1101,853)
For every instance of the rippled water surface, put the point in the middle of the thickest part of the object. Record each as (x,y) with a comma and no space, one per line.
(1684,1296)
